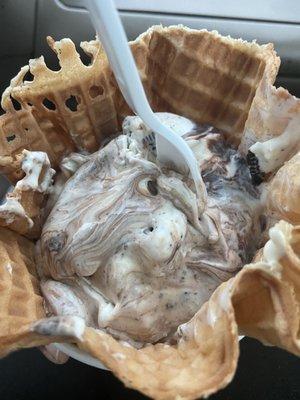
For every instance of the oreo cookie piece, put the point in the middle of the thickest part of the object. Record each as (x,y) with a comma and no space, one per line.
(257,175)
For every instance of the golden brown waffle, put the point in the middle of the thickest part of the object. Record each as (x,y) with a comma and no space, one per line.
(207,77)
(198,74)
(20,300)
(272,131)
(284,192)
(58,131)
(28,220)
(21,305)
(211,79)
(272,110)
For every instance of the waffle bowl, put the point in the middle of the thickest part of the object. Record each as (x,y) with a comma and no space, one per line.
(211,79)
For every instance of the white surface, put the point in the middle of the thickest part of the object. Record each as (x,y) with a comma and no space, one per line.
(271,10)
(79,355)
(170,146)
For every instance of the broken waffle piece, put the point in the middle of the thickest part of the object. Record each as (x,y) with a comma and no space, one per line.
(23,208)
(283,198)
(272,130)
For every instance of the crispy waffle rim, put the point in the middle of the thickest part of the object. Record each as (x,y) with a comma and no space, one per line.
(187,72)
(200,74)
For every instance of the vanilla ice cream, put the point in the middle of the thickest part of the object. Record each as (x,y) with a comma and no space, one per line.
(124,246)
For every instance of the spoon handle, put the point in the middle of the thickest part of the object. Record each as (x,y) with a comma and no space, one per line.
(111,32)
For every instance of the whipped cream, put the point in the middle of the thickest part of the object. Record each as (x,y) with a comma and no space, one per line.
(124,247)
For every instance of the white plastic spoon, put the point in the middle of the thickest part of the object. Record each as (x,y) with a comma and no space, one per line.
(171,148)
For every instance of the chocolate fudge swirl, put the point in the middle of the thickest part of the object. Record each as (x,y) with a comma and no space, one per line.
(124,246)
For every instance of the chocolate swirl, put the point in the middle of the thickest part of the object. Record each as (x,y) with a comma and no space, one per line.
(125,239)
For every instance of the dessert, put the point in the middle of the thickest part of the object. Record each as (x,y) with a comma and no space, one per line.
(211,80)
(127,243)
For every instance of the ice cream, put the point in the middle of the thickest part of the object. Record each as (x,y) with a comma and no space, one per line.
(124,246)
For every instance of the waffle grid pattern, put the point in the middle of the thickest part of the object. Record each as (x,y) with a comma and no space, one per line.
(20,302)
(198,74)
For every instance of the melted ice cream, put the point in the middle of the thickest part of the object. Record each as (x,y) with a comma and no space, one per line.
(124,247)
